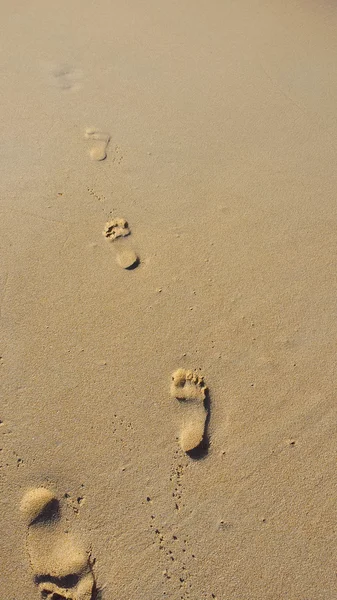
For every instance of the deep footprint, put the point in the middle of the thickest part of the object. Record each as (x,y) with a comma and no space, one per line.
(116,228)
(189,387)
(119,228)
(62,569)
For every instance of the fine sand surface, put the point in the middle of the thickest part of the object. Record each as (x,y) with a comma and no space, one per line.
(200,138)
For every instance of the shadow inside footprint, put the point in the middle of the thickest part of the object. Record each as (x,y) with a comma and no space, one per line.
(50,513)
(201,451)
(134,265)
(67,582)
(51,588)
(99,594)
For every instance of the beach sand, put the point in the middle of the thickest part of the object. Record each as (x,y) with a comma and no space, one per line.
(210,128)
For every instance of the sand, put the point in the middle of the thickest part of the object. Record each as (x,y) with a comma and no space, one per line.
(211,128)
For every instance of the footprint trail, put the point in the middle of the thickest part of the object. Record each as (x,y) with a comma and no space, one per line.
(62,568)
(190,389)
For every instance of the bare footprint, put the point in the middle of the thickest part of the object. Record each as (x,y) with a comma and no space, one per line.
(116,228)
(65,77)
(99,149)
(126,256)
(62,569)
(189,387)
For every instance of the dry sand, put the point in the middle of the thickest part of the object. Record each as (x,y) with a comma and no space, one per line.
(218,122)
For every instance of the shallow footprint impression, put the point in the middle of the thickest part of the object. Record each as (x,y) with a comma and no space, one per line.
(62,568)
(101,139)
(189,388)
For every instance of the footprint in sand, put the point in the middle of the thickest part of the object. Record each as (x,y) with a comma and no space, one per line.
(99,149)
(126,256)
(62,568)
(189,388)
(66,77)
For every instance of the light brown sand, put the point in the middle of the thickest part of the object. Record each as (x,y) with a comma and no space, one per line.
(222,156)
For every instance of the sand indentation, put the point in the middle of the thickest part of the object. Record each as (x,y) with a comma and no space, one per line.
(115,229)
(66,77)
(36,503)
(126,257)
(62,569)
(189,387)
(101,139)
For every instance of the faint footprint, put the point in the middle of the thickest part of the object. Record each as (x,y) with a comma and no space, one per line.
(189,387)
(98,151)
(126,256)
(62,569)
(66,77)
